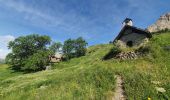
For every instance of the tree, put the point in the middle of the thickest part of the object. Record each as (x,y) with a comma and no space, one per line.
(25,48)
(55,47)
(74,48)
(68,48)
(37,61)
(80,47)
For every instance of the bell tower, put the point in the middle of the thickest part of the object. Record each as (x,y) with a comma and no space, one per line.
(128,22)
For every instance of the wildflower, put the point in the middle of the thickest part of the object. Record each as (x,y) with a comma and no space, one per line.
(160,89)
(156,82)
(43,87)
(149,98)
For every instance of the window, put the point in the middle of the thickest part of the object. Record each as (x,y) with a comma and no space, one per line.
(129,43)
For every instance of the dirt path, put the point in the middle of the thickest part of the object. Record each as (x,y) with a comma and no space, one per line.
(119,91)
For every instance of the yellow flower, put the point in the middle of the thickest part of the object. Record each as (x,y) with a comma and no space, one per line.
(149,98)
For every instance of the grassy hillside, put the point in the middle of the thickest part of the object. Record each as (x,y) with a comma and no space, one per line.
(90,77)
(81,78)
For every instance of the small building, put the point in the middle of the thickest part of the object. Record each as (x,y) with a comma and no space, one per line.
(56,58)
(131,36)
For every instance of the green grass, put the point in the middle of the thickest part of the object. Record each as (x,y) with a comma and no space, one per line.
(80,78)
(5,72)
(89,77)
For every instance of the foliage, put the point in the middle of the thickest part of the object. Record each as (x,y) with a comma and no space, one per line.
(80,47)
(23,50)
(68,48)
(74,48)
(37,61)
(55,47)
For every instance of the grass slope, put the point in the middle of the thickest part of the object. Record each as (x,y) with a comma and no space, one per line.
(81,78)
(89,77)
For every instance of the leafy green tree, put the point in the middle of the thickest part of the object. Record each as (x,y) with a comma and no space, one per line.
(24,48)
(37,61)
(55,47)
(74,48)
(68,48)
(80,47)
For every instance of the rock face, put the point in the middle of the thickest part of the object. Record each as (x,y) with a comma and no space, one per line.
(161,24)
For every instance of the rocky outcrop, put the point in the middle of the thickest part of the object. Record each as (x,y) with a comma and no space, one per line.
(127,55)
(161,24)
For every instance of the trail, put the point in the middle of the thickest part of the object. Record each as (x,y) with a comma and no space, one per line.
(119,91)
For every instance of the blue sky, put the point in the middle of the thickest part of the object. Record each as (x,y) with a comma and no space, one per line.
(98,21)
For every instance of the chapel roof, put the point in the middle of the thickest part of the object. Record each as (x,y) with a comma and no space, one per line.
(134,30)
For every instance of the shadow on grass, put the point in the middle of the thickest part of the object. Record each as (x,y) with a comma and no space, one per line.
(14,70)
(112,53)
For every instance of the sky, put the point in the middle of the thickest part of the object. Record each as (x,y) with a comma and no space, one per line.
(97,21)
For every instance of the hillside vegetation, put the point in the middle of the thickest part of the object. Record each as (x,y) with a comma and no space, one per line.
(89,77)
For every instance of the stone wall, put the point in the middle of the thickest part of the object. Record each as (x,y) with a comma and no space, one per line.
(137,39)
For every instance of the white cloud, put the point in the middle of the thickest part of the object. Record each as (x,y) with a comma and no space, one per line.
(3,53)
(4,40)
(33,14)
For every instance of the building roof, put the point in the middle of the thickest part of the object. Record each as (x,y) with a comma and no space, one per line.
(134,30)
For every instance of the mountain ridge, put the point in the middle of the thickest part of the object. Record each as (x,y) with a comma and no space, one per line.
(162,23)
